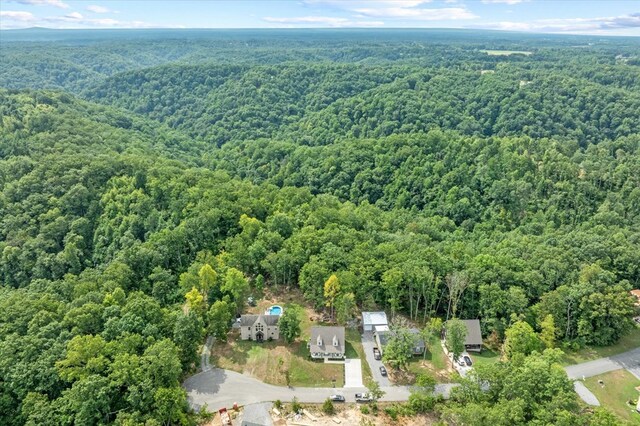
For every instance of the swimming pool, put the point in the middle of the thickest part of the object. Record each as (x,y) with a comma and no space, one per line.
(274,310)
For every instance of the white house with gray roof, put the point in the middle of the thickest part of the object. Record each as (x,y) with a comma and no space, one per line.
(259,327)
(327,342)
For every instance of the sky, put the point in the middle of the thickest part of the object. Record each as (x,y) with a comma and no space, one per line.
(545,16)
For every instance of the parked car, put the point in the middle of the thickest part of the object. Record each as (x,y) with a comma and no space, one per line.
(383,370)
(337,398)
(363,397)
(460,362)
(376,354)
(467,361)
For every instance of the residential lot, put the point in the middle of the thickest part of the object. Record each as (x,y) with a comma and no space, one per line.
(617,388)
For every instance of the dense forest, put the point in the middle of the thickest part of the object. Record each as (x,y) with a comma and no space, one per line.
(394,160)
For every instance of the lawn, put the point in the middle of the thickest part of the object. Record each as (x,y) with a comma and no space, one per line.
(628,342)
(506,52)
(487,356)
(619,387)
(434,362)
(269,361)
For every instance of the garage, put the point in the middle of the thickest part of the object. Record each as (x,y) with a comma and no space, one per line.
(373,319)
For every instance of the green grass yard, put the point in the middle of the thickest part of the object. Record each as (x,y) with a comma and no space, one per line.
(619,387)
(628,342)
(269,361)
(487,356)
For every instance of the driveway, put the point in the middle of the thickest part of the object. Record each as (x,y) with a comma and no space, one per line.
(353,373)
(629,360)
(584,393)
(368,343)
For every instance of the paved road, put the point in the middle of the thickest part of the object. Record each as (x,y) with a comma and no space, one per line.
(368,343)
(629,360)
(218,388)
(221,388)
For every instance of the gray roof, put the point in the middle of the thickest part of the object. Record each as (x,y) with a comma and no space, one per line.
(474,335)
(418,340)
(326,334)
(250,320)
(374,318)
(383,337)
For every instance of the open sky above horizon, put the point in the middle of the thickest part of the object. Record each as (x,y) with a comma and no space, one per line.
(546,16)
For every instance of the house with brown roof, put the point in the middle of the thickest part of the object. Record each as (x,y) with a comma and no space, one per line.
(259,327)
(327,342)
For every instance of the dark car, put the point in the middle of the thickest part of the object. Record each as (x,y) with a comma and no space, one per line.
(337,398)
(467,361)
(383,370)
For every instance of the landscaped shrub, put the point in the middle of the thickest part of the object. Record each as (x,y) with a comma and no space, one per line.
(328,407)
(295,405)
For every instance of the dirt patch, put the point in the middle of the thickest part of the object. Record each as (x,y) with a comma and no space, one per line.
(350,415)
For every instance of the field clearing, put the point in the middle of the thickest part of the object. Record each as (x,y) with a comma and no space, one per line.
(618,388)
(269,362)
(506,52)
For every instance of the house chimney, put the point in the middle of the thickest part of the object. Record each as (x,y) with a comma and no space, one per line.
(319,340)
(335,341)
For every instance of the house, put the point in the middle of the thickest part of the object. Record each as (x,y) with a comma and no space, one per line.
(419,346)
(473,341)
(327,342)
(372,319)
(382,334)
(636,296)
(259,327)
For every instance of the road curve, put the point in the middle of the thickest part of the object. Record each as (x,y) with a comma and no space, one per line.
(218,388)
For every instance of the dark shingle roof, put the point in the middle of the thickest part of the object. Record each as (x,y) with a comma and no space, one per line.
(249,320)
(474,335)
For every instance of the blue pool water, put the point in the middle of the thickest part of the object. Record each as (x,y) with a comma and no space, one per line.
(275,310)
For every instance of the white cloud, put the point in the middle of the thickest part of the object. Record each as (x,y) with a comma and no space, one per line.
(572,25)
(321,21)
(17,15)
(342,4)
(419,14)
(10,19)
(97,9)
(503,1)
(54,3)
(74,15)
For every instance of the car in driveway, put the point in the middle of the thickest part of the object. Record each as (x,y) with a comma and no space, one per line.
(363,397)
(376,354)
(467,361)
(383,371)
(337,398)
(460,362)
